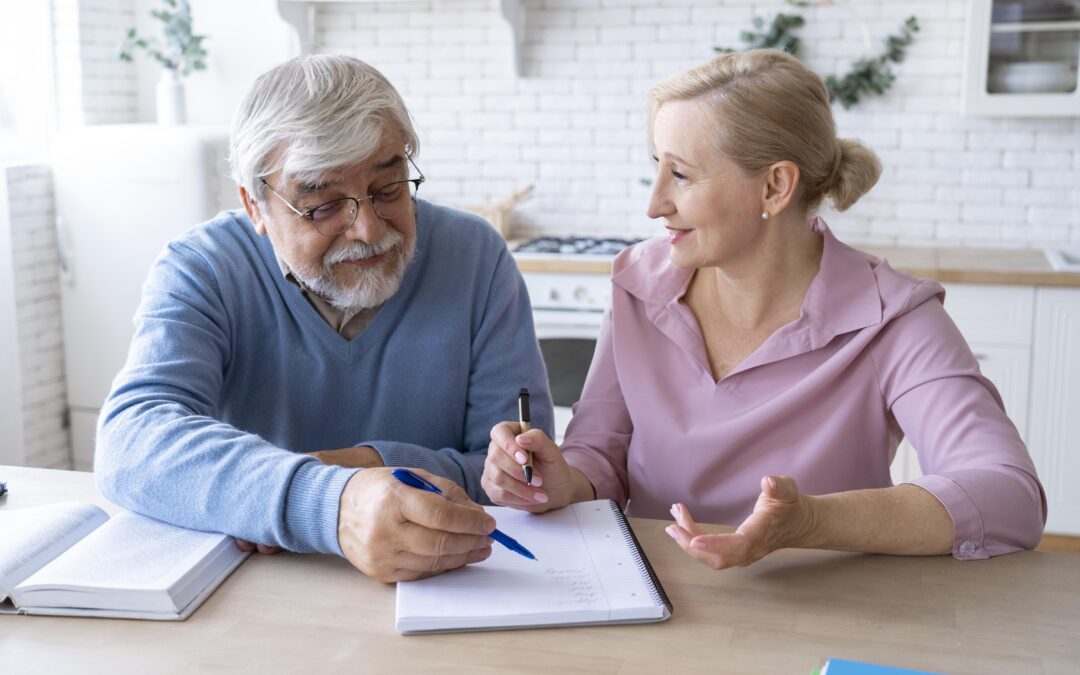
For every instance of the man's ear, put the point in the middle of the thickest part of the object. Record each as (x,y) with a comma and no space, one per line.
(253,211)
(781,186)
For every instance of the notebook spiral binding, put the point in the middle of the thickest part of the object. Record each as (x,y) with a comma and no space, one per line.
(656,589)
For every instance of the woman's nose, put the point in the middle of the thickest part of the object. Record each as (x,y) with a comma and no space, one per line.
(659,203)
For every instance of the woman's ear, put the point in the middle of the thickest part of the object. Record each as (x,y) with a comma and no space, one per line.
(253,211)
(781,185)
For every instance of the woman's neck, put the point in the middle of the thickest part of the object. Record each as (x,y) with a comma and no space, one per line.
(765,288)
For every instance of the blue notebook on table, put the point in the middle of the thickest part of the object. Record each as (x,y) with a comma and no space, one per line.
(843,667)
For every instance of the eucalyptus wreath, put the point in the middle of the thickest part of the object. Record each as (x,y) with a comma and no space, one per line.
(867,76)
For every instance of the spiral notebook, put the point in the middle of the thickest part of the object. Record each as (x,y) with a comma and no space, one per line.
(589,570)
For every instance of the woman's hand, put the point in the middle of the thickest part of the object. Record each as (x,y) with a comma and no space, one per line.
(782,518)
(554,482)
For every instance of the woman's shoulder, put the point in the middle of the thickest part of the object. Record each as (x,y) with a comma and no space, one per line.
(639,268)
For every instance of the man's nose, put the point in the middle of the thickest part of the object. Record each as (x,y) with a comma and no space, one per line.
(368,226)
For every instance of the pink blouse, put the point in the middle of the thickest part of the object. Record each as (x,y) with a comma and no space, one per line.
(825,399)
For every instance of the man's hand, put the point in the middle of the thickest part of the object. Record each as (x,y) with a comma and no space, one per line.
(782,518)
(393,532)
(248,547)
(357,457)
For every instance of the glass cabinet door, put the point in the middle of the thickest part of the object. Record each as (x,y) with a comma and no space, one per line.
(1022,57)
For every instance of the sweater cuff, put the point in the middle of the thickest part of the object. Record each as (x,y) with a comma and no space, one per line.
(312,504)
(968,530)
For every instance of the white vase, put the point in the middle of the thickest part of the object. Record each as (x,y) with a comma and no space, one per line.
(170,98)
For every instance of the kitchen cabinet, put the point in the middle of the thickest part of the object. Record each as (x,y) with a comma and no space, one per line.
(1027,341)
(1021,59)
(1054,438)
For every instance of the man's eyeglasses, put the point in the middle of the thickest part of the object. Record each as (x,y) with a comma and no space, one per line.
(334,217)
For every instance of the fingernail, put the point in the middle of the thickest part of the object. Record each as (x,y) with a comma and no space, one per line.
(697,543)
(520,457)
(670,529)
(536,481)
(772,482)
(675,510)
(541,497)
(524,440)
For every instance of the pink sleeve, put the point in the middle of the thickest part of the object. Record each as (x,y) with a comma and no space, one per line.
(971,455)
(599,433)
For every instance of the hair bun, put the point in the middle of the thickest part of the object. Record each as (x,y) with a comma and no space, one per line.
(856,169)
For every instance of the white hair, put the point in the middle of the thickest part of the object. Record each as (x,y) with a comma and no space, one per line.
(310,115)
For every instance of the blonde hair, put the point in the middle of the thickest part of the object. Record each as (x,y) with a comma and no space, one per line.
(769,107)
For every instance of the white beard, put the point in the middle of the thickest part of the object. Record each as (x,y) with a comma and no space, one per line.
(374,286)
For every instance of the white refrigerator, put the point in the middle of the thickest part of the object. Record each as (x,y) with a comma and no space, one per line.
(122,192)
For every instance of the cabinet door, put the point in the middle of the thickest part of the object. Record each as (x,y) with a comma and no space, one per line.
(1055,405)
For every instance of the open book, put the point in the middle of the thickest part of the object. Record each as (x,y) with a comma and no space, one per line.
(589,569)
(71,559)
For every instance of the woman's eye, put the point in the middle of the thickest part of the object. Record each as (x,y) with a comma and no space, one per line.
(677,175)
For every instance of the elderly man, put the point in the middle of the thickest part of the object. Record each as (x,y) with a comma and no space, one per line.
(283,355)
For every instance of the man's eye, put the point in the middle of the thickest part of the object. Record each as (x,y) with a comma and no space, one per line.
(328,210)
(390,192)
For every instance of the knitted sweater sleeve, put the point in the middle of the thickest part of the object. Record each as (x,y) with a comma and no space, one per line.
(161,448)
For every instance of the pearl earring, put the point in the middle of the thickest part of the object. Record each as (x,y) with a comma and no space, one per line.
(764,215)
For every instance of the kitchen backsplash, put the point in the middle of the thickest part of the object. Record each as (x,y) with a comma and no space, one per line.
(574,123)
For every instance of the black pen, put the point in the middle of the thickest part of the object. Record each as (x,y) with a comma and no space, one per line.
(526,423)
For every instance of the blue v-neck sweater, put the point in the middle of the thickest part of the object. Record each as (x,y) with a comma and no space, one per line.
(232,375)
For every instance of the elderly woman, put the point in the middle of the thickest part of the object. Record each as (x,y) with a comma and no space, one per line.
(754,368)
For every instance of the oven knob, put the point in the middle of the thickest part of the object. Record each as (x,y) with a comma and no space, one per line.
(581,294)
(553,295)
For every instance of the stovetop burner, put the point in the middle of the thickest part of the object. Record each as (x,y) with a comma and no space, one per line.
(607,246)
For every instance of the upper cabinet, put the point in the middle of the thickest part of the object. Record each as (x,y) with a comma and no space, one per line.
(301,15)
(1021,58)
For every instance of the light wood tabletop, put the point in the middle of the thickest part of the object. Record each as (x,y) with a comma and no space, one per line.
(314,614)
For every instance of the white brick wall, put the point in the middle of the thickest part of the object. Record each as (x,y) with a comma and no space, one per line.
(37,316)
(574,124)
(92,85)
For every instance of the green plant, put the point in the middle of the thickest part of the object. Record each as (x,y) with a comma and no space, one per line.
(182,50)
(871,75)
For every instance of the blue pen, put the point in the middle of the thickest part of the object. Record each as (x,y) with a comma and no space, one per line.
(419,482)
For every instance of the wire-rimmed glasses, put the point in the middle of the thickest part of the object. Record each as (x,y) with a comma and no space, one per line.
(336,216)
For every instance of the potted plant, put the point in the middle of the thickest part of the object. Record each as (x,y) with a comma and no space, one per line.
(180,53)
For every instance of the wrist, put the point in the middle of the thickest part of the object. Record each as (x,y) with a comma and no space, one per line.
(582,489)
(808,533)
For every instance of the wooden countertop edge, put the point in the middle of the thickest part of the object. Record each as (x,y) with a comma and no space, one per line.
(1034,271)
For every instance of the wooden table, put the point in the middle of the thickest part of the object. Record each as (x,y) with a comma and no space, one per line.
(314,614)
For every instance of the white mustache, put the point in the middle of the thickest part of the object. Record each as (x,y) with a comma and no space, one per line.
(360,250)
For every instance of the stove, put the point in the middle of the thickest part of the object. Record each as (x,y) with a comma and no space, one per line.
(568,310)
(578,247)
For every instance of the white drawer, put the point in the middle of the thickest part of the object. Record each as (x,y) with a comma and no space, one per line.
(992,315)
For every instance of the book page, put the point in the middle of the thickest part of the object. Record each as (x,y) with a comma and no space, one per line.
(562,585)
(132,563)
(35,535)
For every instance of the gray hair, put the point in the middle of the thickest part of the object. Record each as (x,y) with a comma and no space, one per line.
(312,114)
(769,107)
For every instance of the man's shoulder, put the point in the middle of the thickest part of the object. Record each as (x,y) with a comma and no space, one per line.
(217,240)
(459,238)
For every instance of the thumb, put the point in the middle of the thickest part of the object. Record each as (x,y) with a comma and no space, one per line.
(780,488)
(538,443)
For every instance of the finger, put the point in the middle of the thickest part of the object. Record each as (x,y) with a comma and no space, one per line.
(681,514)
(427,565)
(431,511)
(450,489)
(780,488)
(244,545)
(537,442)
(504,483)
(721,551)
(503,434)
(412,538)
(269,550)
